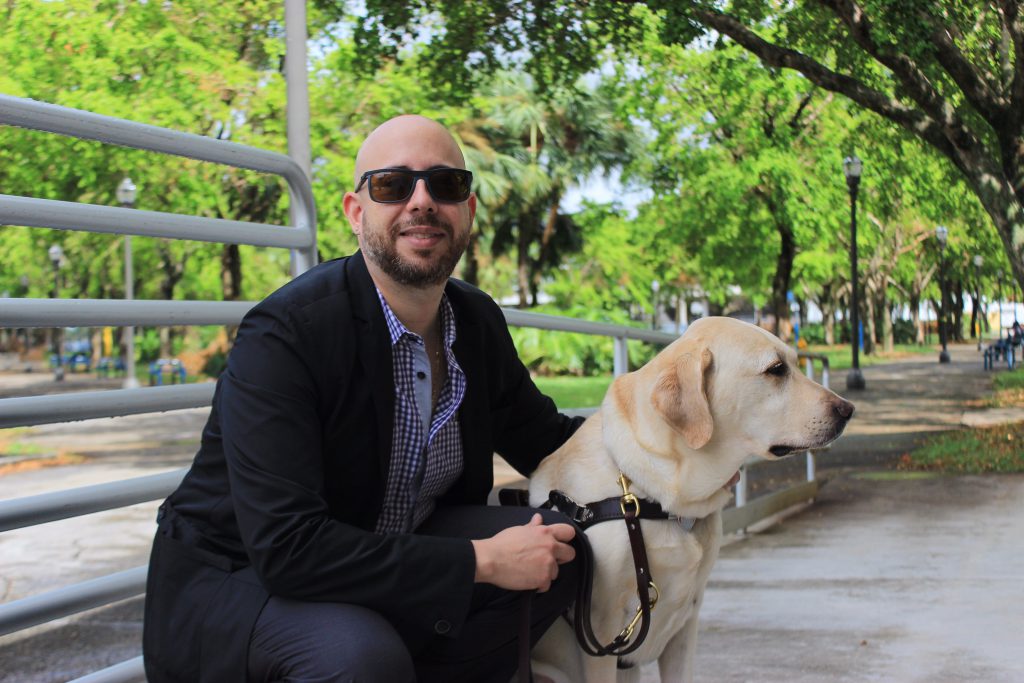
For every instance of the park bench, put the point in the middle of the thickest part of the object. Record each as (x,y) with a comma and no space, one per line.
(171,367)
(110,367)
(1004,349)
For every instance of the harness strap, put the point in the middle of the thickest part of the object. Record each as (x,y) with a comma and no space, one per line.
(602,511)
(631,510)
(624,643)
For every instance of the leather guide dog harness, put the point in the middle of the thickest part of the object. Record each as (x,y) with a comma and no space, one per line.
(631,510)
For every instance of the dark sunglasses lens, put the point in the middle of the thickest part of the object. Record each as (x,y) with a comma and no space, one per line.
(390,186)
(450,185)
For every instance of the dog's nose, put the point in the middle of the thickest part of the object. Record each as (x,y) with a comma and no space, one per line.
(842,408)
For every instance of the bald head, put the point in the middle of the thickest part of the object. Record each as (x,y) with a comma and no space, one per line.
(409,141)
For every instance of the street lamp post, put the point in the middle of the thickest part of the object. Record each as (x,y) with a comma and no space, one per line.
(942,234)
(56,256)
(978,260)
(852,168)
(126,198)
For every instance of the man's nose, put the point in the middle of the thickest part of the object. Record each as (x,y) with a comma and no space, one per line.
(421,197)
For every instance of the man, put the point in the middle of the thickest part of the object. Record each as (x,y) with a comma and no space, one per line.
(332,526)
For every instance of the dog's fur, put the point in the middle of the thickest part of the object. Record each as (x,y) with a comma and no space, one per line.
(679,428)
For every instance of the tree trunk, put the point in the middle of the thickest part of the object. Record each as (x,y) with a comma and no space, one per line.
(868,317)
(523,258)
(231,272)
(471,262)
(783,270)
(915,315)
(888,343)
(165,341)
(974,318)
(956,295)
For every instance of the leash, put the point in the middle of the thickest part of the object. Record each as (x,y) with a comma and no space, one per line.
(631,510)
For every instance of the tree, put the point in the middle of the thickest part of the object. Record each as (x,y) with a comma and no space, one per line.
(950,73)
(757,143)
(181,65)
(533,148)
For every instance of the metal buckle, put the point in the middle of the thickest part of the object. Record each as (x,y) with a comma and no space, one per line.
(627,632)
(583,514)
(627,497)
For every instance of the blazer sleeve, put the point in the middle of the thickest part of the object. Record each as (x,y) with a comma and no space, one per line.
(271,435)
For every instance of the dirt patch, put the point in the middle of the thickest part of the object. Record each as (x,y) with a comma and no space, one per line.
(62,458)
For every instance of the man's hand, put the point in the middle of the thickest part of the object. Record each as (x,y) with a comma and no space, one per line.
(524,557)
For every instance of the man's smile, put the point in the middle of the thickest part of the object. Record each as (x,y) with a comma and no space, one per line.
(423,236)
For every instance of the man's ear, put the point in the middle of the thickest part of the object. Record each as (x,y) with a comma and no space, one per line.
(681,397)
(353,212)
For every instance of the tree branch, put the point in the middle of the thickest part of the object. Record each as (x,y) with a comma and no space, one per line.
(919,88)
(913,120)
(976,88)
(1013,26)
(794,121)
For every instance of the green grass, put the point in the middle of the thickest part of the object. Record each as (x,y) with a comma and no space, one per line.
(585,392)
(11,446)
(840,357)
(575,392)
(1009,381)
(971,451)
(888,475)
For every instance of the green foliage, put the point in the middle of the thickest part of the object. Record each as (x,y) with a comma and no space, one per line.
(147,344)
(841,356)
(548,352)
(575,392)
(971,451)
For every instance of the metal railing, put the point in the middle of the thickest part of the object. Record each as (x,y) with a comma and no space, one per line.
(300,238)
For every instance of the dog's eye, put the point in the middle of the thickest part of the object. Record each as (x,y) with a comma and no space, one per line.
(777,369)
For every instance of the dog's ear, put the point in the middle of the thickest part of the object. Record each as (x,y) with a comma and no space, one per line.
(681,397)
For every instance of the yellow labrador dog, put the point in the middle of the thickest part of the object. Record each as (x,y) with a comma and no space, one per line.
(679,428)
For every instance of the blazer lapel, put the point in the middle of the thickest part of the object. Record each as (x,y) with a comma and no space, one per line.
(374,354)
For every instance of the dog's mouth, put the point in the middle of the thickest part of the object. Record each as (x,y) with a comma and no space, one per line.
(783,450)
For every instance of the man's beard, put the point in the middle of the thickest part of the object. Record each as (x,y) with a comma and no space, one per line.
(380,246)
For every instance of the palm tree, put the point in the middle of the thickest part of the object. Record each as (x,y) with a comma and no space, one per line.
(528,149)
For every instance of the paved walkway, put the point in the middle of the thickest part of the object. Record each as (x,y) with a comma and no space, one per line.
(899,579)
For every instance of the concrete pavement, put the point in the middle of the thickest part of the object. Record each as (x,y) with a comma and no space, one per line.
(882,579)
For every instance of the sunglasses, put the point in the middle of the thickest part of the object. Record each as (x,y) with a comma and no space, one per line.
(393,185)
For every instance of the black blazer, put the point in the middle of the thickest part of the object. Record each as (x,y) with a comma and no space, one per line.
(287,486)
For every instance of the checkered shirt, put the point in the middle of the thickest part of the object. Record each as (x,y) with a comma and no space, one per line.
(426,450)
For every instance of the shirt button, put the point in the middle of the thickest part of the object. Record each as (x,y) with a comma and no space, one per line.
(442,627)
(421,375)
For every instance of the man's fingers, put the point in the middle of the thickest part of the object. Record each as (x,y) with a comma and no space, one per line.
(536,520)
(562,532)
(564,553)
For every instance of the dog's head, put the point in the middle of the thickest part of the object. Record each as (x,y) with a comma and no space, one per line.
(724,391)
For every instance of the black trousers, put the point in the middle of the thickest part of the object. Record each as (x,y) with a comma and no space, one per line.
(321,642)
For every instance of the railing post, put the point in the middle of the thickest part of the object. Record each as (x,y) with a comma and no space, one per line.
(621,357)
(809,366)
(741,488)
